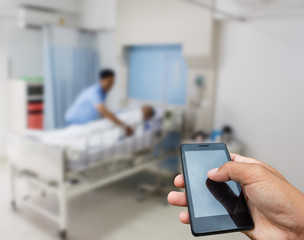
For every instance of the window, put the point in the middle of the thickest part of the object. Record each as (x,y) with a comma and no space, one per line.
(158,74)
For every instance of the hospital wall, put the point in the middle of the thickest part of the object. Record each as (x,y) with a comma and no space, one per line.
(20,55)
(24,47)
(171,22)
(164,22)
(21,50)
(100,15)
(3,75)
(260,90)
(3,122)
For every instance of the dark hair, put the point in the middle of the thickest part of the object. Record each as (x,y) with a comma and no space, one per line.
(152,112)
(106,73)
(227,129)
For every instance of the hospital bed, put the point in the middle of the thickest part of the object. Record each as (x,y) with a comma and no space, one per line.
(85,162)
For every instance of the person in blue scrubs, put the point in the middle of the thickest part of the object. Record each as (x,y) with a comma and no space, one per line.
(90,104)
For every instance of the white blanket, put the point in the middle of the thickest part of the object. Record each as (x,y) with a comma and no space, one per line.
(102,133)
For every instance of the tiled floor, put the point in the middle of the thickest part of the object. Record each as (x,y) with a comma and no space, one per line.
(110,213)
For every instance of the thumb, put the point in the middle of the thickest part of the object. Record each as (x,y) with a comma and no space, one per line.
(244,173)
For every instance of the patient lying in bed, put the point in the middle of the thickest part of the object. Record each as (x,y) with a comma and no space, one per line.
(101,139)
(104,130)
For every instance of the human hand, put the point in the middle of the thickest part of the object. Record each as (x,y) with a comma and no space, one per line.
(276,206)
(129,131)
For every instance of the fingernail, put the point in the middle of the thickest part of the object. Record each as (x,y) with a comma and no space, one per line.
(213,171)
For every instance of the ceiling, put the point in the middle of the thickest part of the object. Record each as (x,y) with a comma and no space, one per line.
(261,8)
(240,9)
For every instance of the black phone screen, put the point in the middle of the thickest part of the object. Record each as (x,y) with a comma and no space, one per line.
(208,196)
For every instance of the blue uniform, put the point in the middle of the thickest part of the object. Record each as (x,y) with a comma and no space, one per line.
(84,108)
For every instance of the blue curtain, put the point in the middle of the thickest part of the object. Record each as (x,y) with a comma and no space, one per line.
(71,64)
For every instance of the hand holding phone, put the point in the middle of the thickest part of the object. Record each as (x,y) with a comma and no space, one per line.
(213,207)
(276,205)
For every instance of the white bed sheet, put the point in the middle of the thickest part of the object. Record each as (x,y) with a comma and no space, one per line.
(100,140)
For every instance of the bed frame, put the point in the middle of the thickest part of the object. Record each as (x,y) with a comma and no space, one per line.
(46,167)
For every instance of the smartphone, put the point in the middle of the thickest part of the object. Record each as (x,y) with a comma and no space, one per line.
(213,207)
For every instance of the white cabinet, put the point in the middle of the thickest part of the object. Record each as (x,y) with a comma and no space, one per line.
(25,106)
